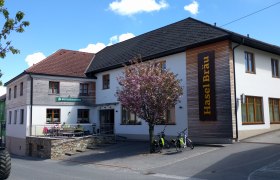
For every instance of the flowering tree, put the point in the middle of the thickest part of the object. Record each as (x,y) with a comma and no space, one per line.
(149,91)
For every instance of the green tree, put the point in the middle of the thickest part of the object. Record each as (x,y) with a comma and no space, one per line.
(149,90)
(11,24)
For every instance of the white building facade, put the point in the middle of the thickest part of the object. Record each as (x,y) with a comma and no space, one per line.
(230,87)
(257,89)
(106,101)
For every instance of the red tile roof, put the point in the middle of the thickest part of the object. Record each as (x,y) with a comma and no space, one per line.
(63,63)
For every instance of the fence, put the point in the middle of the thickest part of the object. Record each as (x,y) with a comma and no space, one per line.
(62,130)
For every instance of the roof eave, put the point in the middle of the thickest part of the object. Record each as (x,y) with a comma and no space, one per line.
(15,78)
(247,41)
(161,54)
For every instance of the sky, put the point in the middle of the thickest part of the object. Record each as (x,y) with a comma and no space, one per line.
(90,25)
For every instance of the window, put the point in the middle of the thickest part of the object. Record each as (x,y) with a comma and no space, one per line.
(106,81)
(53,116)
(10,93)
(15,92)
(252,110)
(129,118)
(274,110)
(21,89)
(53,87)
(169,117)
(83,116)
(10,117)
(15,117)
(83,89)
(249,62)
(21,116)
(275,68)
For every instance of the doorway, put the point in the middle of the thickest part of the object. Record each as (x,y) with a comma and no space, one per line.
(107,120)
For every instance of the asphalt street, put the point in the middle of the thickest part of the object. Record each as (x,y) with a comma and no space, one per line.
(251,159)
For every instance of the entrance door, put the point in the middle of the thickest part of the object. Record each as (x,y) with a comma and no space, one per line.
(107,120)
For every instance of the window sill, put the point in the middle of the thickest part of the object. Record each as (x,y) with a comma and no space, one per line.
(130,124)
(53,94)
(83,94)
(52,122)
(250,72)
(275,123)
(253,123)
(276,77)
(172,124)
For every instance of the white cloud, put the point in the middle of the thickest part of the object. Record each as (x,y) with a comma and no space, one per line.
(34,58)
(115,39)
(93,48)
(2,90)
(192,8)
(130,7)
(125,36)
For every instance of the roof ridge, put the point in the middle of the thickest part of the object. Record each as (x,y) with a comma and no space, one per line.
(235,34)
(33,66)
(139,36)
(54,54)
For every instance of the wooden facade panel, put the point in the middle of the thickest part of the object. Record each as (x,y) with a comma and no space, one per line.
(42,96)
(20,100)
(222,126)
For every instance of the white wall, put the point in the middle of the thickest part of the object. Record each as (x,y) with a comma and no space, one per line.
(68,114)
(39,118)
(177,64)
(260,84)
(17,130)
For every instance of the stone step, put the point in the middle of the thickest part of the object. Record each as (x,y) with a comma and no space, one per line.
(69,153)
(80,150)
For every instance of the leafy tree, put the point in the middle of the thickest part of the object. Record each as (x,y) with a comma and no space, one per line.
(0,77)
(10,24)
(149,91)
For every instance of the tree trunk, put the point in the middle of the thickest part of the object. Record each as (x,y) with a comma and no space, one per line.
(152,138)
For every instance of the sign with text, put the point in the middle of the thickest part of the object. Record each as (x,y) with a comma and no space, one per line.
(67,99)
(206,86)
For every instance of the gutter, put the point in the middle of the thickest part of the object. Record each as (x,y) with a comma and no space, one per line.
(31,104)
(233,57)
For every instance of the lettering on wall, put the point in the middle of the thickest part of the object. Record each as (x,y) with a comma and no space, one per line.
(206,86)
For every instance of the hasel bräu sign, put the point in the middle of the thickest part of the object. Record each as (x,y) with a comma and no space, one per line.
(67,99)
(206,86)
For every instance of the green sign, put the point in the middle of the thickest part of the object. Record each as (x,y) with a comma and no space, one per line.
(67,99)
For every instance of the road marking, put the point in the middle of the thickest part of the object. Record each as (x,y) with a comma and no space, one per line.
(166,176)
(265,168)
(185,158)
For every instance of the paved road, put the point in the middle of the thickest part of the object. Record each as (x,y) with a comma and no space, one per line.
(252,159)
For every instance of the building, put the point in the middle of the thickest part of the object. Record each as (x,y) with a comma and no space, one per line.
(53,91)
(2,118)
(230,84)
(2,108)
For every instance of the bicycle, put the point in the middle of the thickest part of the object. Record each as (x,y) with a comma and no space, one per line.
(182,141)
(160,142)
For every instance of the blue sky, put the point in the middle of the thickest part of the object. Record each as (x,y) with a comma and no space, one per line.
(89,25)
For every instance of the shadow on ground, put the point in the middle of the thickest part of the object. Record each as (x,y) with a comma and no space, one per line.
(258,163)
(110,152)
